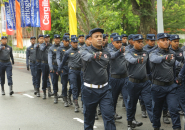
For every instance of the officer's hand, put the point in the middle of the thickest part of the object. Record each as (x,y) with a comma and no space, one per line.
(3,47)
(169,57)
(100,53)
(179,81)
(52,71)
(46,44)
(97,55)
(122,49)
(140,60)
(28,68)
(13,62)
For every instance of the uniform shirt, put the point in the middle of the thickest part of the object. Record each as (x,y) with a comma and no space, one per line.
(38,51)
(110,45)
(6,54)
(74,58)
(149,48)
(52,55)
(30,54)
(80,45)
(135,69)
(161,69)
(127,48)
(95,71)
(179,60)
(60,54)
(83,47)
(44,51)
(118,63)
(61,43)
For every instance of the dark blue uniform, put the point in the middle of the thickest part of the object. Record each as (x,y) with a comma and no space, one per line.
(163,87)
(138,83)
(31,61)
(96,89)
(6,65)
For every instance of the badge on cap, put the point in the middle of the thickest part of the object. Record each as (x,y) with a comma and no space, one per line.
(118,38)
(139,36)
(165,35)
(152,37)
(180,54)
(105,55)
(176,36)
(75,39)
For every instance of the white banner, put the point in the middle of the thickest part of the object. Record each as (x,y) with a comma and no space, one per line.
(3,18)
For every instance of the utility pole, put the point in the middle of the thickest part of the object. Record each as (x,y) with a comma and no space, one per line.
(160,26)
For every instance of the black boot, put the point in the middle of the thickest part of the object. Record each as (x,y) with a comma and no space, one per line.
(165,117)
(65,102)
(69,99)
(49,92)
(76,106)
(117,117)
(129,125)
(136,123)
(60,96)
(2,90)
(96,116)
(35,90)
(44,94)
(55,98)
(157,129)
(143,111)
(11,90)
(38,92)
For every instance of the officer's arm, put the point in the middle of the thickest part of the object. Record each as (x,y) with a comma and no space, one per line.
(64,59)
(43,47)
(1,48)
(148,69)
(27,56)
(114,54)
(86,56)
(11,56)
(50,59)
(130,58)
(153,57)
(182,72)
(58,54)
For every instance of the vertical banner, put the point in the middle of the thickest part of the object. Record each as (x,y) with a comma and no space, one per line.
(3,18)
(72,17)
(45,16)
(18,25)
(35,15)
(25,13)
(12,11)
(9,23)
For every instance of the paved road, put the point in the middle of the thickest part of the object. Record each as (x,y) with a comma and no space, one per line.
(25,111)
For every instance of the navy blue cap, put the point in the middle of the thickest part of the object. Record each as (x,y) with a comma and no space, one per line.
(32,38)
(113,34)
(47,35)
(124,35)
(4,37)
(162,35)
(73,35)
(130,36)
(169,35)
(74,39)
(66,34)
(104,36)
(40,36)
(80,36)
(95,30)
(56,36)
(66,37)
(86,37)
(117,38)
(173,37)
(137,37)
(150,37)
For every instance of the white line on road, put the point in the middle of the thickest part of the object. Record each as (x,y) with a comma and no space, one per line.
(28,95)
(81,121)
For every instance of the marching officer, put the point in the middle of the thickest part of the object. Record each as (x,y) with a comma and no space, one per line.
(163,87)
(150,41)
(96,89)
(30,61)
(138,83)
(124,39)
(6,65)
(53,66)
(118,74)
(111,39)
(38,63)
(44,47)
(65,70)
(74,63)
(81,40)
(105,40)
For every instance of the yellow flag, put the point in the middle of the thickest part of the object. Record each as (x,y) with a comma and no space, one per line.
(72,17)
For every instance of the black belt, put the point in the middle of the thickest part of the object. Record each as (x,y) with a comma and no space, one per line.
(39,61)
(45,62)
(4,61)
(55,63)
(160,83)
(32,62)
(79,69)
(138,80)
(116,76)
